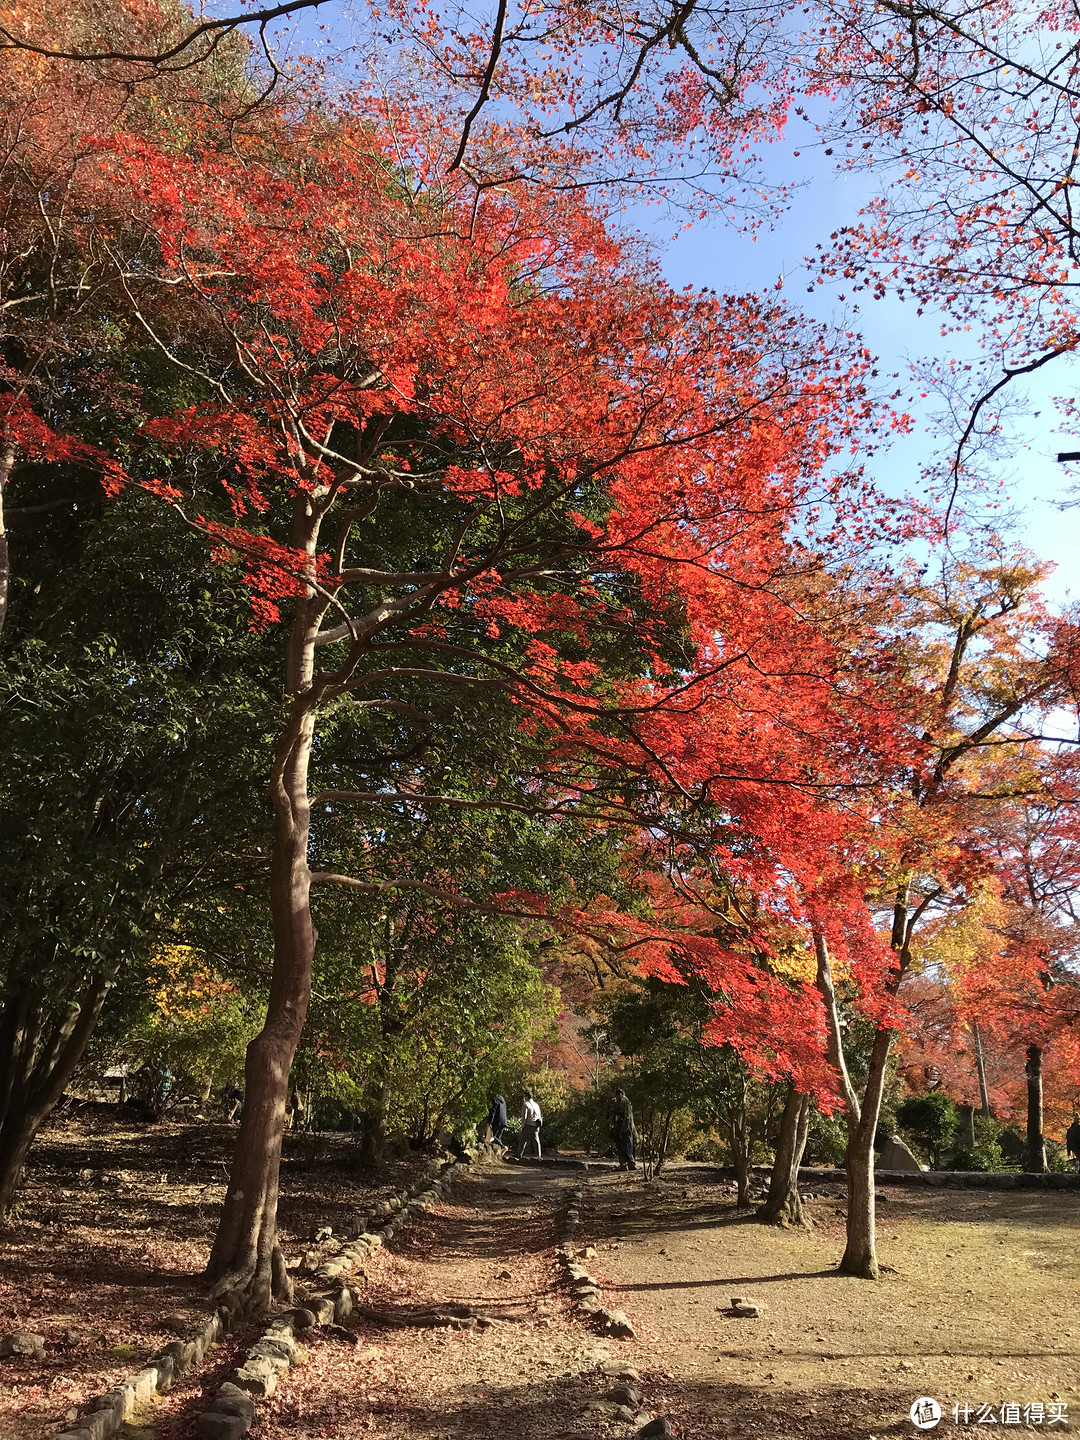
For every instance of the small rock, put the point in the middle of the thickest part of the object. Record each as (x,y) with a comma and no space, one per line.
(176,1324)
(618,1323)
(625,1394)
(655,1429)
(619,1370)
(71,1338)
(258,1378)
(23,1343)
(323,1309)
(589,1253)
(231,1400)
(743,1312)
(217,1425)
(277,1350)
(504,1275)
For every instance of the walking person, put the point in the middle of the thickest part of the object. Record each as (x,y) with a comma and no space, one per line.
(1072,1141)
(531,1120)
(622,1131)
(497,1120)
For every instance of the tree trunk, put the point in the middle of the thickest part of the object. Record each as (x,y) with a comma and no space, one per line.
(39,1053)
(860,1252)
(391,1024)
(740,1159)
(245,1257)
(373,1136)
(1035,1162)
(7,461)
(783,1205)
(967,1123)
(980,1066)
(665,1140)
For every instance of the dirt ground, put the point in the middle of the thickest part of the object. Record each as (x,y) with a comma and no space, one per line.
(979,1307)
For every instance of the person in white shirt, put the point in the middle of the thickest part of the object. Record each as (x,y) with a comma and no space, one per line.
(531,1120)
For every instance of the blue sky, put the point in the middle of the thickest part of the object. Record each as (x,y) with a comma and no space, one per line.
(713,254)
(718,256)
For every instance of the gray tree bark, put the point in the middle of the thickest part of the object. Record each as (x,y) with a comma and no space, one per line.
(783,1204)
(1035,1162)
(980,1066)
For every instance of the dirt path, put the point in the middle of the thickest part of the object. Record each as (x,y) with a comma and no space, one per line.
(530,1377)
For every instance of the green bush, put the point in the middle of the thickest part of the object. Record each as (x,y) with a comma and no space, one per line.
(985,1153)
(710,1150)
(929,1123)
(826,1140)
(1013,1147)
(1057,1161)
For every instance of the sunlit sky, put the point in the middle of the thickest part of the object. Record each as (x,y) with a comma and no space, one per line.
(723,257)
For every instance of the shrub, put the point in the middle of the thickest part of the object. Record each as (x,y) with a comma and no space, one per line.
(1013,1147)
(710,1150)
(930,1123)
(985,1153)
(826,1140)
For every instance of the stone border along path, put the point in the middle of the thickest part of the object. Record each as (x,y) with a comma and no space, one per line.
(585,1289)
(625,1396)
(232,1411)
(942,1179)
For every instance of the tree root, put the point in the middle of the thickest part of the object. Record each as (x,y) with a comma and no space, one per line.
(432,1317)
(254,1286)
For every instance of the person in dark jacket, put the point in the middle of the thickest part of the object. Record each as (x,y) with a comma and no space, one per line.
(1072,1141)
(622,1130)
(497,1120)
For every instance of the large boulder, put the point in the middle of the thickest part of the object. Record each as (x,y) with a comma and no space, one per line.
(895,1155)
